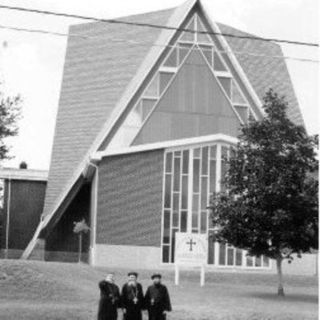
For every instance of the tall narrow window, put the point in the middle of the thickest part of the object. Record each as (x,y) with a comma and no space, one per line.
(190,180)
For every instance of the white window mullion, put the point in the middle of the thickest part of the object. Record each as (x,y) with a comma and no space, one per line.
(208,196)
(195,36)
(190,191)
(171,207)
(218,177)
(216,254)
(244,258)
(180,191)
(208,188)
(218,168)
(200,191)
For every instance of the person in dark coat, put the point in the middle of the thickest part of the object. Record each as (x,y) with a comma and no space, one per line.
(157,300)
(109,299)
(132,299)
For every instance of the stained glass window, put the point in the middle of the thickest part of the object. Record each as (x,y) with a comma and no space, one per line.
(226,85)
(243,113)
(208,53)
(198,39)
(218,65)
(189,36)
(183,49)
(165,78)
(172,60)
(202,36)
(153,88)
(193,172)
(236,95)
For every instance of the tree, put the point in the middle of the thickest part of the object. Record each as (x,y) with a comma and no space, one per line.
(23,165)
(271,204)
(80,227)
(9,115)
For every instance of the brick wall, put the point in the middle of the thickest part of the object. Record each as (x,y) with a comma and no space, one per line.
(130,199)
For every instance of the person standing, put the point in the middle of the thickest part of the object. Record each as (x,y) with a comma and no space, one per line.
(132,298)
(109,299)
(157,300)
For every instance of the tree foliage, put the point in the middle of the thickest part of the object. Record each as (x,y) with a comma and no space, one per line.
(80,226)
(9,115)
(271,204)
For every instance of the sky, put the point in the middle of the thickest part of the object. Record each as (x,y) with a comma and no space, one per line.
(32,64)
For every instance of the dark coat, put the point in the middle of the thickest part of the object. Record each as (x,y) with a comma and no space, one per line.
(109,301)
(132,300)
(157,301)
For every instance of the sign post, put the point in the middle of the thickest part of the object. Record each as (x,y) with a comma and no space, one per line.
(191,251)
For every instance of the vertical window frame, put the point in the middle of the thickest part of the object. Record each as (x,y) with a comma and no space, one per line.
(218,158)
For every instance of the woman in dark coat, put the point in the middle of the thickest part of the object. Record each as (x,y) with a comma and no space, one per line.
(109,299)
(132,299)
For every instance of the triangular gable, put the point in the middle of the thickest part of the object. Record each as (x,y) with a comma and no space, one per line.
(193,105)
(197,39)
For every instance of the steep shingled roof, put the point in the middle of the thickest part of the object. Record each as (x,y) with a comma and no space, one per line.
(96,73)
(100,66)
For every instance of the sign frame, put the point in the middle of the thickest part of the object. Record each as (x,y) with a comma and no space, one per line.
(191,250)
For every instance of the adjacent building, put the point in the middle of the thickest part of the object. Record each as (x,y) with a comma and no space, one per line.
(22,207)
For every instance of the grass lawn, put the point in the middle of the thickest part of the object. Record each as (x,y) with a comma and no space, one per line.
(42,290)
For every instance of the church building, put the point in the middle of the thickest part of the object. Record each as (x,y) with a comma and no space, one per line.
(150,109)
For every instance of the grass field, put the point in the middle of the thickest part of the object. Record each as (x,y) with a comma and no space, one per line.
(42,291)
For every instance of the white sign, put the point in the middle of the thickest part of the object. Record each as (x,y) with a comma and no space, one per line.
(191,249)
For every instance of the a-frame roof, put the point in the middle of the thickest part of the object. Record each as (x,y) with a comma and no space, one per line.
(105,65)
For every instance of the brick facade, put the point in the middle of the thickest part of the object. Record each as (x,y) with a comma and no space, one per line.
(130,199)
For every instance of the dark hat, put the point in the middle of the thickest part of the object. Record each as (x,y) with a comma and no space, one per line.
(156,275)
(132,273)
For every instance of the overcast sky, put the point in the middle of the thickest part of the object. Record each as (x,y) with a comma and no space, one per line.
(32,64)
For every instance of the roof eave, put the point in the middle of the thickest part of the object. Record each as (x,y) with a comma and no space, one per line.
(222,138)
(23,174)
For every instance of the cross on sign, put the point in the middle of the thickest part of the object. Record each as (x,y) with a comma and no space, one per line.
(191,243)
